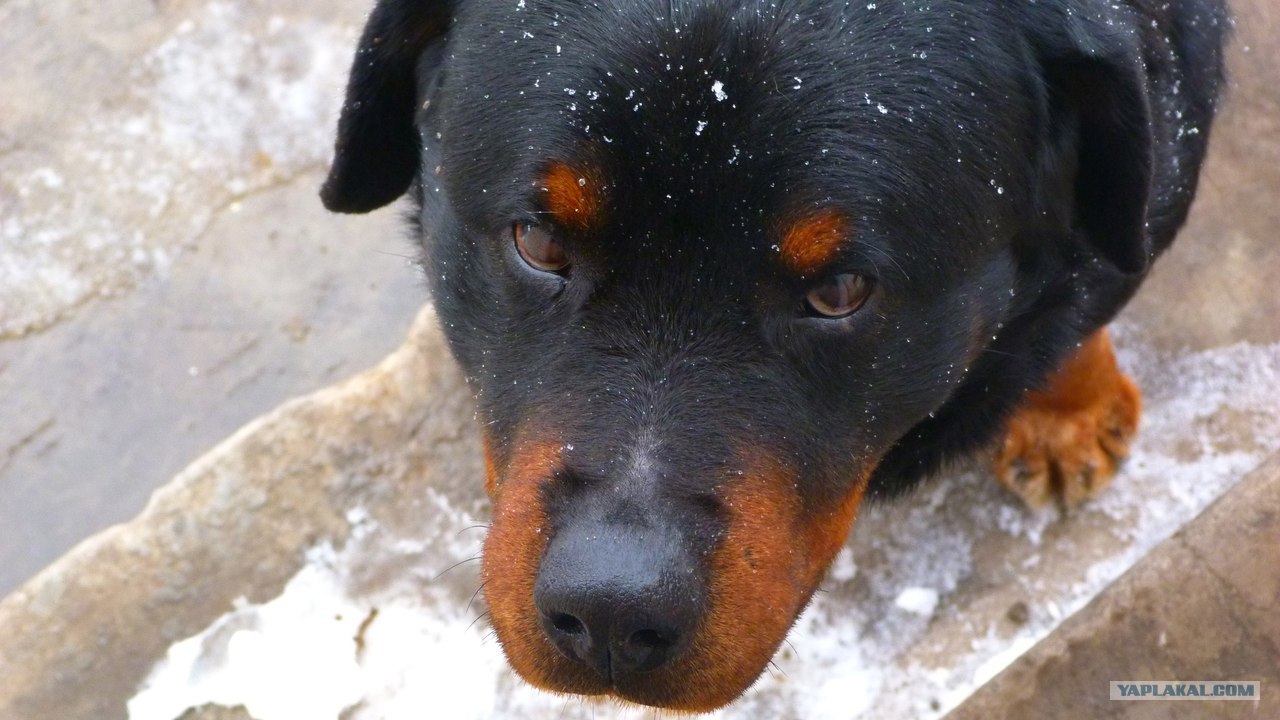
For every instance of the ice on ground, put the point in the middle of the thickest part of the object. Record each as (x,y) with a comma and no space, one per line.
(959,549)
(918,600)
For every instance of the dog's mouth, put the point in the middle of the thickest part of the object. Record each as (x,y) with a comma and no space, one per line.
(617,611)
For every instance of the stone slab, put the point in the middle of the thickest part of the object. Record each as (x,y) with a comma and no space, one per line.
(1204,605)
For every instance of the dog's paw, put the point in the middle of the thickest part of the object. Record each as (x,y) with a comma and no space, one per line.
(1066,442)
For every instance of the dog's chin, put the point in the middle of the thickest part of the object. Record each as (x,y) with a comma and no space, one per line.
(682,688)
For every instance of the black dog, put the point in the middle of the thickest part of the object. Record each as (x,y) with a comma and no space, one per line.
(719,269)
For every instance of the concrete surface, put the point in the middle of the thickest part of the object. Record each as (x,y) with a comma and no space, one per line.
(372,488)
(166,273)
(1201,606)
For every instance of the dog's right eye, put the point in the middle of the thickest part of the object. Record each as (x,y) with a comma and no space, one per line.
(839,296)
(539,249)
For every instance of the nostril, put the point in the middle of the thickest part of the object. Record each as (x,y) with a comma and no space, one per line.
(567,624)
(649,639)
(647,649)
(570,635)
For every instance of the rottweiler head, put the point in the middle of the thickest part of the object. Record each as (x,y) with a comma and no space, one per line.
(708,265)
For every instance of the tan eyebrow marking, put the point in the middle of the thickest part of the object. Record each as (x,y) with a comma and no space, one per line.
(813,241)
(574,196)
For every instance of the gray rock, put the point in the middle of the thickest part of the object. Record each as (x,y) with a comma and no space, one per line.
(82,635)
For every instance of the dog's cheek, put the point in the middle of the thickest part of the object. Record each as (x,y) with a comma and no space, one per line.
(755,590)
(512,553)
(826,529)
(763,572)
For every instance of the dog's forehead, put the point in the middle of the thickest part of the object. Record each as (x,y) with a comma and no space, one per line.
(688,106)
(630,66)
(726,113)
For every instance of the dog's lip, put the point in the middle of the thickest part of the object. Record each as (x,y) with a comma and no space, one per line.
(630,689)
(654,689)
(681,704)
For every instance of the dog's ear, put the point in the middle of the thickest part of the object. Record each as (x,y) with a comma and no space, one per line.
(377,152)
(1098,151)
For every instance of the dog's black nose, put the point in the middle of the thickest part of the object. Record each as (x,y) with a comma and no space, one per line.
(619,600)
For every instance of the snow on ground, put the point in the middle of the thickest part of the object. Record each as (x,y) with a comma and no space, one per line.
(223,107)
(903,627)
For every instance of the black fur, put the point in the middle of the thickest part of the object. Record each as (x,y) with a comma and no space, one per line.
(1012,169)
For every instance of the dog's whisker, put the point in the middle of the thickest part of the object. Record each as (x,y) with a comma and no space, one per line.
(460,562)
(471,624)
(792,646)
(886,256)
(475,595)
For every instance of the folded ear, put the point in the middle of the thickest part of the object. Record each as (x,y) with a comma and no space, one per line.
(378,145)
(1099,142)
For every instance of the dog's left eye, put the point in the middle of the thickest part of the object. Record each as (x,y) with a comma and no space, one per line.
(539,249)
(839,296)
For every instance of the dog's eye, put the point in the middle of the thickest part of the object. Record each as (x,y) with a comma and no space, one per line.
(839,296)
(539,249)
